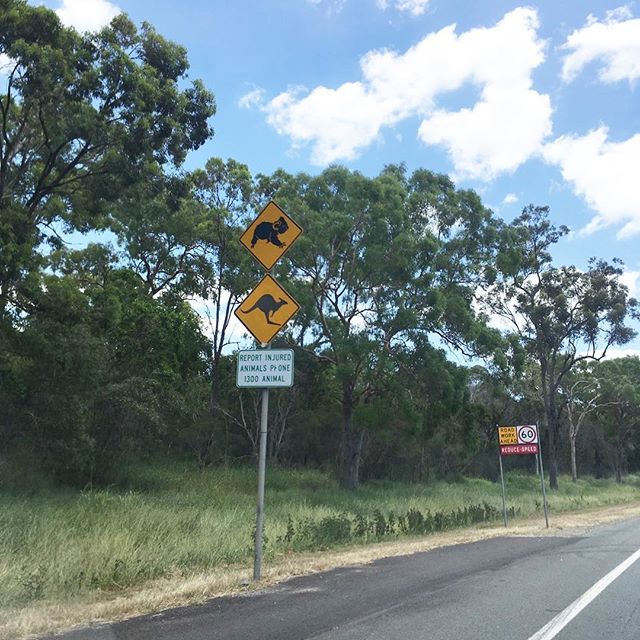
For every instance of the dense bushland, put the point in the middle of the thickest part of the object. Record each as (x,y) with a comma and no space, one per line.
(104,361)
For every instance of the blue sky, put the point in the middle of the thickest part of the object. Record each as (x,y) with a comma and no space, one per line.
(522,102)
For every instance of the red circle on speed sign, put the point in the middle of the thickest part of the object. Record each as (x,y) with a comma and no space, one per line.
(527,434)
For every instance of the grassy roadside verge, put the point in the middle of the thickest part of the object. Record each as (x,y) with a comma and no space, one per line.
(177,530)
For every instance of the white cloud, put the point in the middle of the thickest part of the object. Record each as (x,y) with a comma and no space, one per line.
(236,334)
(502,130)
(414,7)
(87,15)
(605,174)
(622,353)
(253,98)
(615,15)
(510,198)
(614,42)
(328,119)
(632,280)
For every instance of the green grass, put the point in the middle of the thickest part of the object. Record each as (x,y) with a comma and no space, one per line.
(174,519)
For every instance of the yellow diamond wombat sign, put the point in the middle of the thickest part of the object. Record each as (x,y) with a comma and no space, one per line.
(270,235)
(266,310)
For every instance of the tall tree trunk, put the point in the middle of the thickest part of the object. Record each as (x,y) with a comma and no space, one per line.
(206,442)
(551,415)
(351,445)
(619,456)
(618,467)
(214,393)
(574,466)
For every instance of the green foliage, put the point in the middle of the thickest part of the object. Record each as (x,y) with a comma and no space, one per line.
(82,117)
(102,358)
(93,374)
(618,411)
(344,528)
(385,263)
(561,315)
(92,366)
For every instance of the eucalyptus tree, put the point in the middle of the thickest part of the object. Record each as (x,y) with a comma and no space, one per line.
(582,396)
(227,193)
(619,413)
(355,245)
(493,394)
(162,232)
(446,434)
(179,233)
(82,117)
(383,261)
(562,315)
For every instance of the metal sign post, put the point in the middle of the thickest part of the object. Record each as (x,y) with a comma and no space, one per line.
(264,312)
(262,469)
(544,491)
(504,500)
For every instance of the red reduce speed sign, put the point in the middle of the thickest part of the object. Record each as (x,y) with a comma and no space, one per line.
(528,434)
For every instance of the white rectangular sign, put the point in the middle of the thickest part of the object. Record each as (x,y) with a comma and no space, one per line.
(265,368)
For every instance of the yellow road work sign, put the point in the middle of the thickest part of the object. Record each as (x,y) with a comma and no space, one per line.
(266,310)
(270,235)
(507,435)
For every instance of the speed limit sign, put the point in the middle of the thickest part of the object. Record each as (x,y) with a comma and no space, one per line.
(522,439)
(527,434)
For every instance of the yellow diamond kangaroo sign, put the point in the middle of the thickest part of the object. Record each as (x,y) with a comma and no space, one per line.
(270,235)
(266,310)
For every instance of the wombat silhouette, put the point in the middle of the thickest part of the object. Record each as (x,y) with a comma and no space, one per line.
(270,231)
(268,305)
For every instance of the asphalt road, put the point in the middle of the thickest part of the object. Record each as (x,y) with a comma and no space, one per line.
(501,589)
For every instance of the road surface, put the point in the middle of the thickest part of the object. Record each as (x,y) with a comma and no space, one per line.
(501,589)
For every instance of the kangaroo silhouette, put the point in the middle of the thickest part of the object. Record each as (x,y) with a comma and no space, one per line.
(270,231)
(268,305)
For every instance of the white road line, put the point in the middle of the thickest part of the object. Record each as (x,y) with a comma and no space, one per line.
(553,628)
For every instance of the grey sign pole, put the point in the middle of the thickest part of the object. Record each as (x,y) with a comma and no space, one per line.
(544,491)
(504,500)
(262,466)
(262,469)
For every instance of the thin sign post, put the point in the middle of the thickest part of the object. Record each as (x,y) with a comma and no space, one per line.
(262,471)
(264,312)
(504,499)
(544,491)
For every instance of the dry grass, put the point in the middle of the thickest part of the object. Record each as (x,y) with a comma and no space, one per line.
(157,595)
(162,521)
